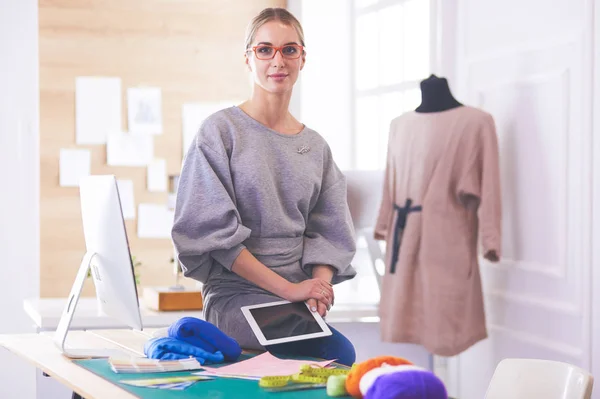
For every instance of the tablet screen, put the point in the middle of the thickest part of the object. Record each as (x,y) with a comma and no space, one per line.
(285,320)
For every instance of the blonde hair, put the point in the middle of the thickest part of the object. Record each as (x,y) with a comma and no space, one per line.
(273,14)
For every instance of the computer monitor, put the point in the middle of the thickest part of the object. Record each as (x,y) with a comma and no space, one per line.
(109,260)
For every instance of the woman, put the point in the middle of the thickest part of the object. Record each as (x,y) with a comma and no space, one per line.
(261,209)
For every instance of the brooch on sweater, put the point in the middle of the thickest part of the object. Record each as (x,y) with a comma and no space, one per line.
(304,149)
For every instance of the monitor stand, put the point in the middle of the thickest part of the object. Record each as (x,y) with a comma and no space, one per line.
(62,330)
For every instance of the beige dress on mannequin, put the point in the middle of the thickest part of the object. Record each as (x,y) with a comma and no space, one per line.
(441,199)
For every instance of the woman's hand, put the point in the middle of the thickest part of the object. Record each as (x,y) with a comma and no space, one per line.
(319,306)
(326,273)
(315,288)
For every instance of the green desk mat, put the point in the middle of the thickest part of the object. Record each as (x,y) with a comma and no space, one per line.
(219,388)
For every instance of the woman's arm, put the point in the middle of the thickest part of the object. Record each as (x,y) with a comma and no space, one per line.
(323,271)
(248,267)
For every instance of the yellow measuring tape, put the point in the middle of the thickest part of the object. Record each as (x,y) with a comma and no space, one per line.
(308,375)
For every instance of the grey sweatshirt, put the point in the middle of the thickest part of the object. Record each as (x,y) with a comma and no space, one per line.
(282,197)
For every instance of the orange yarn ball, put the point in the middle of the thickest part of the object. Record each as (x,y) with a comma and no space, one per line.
(360,369)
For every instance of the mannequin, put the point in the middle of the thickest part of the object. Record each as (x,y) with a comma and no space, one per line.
(441,206)
(436,95)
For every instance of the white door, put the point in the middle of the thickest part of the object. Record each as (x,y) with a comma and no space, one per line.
(528,63)
(595,308)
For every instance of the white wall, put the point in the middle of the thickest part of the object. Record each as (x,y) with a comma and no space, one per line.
(323,95)
(19,174)
(595,179)
(528,63)
(445,27)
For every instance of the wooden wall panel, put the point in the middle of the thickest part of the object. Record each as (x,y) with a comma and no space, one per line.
(191,49)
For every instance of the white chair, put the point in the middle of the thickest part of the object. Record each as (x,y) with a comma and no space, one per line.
(365,188)
(539,379)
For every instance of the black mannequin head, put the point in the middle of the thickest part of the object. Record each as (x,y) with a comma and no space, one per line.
(436,95)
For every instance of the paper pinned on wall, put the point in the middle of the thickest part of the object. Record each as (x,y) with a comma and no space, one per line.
(154,221)
(73,165)
(97,108)
(129,149)
(193,116)
(144,110)
(127,198)
(157,175)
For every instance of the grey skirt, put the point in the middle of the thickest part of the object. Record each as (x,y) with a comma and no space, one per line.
(226,292)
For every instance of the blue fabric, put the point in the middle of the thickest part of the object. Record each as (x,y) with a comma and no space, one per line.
(165,348)
(205,335)
(335,346)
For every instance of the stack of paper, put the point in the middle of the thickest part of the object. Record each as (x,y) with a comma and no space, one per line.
(143,365)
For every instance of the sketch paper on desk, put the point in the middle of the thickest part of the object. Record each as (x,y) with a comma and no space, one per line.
(97,108)
(193,116)
(144,110)
(154,221)
(127,198)
(261,365)
(157,175)
(129,149)
(74,164)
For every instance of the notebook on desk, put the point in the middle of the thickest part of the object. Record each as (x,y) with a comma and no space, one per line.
(144,365)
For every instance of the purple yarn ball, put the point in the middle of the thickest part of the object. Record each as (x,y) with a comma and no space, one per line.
(413,384)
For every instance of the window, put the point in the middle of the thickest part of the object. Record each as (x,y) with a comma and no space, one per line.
(392,53)
(387,44)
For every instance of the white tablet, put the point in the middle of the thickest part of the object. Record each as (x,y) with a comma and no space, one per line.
(284,321)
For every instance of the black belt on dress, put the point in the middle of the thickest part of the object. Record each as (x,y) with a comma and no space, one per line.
(400,225)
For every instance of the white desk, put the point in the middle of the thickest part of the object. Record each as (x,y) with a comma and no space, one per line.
(46,312)
(358,322)
(40,350)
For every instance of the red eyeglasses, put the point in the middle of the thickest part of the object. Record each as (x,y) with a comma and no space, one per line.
(267,52)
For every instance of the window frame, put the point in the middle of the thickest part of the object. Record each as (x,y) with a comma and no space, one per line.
(390,88)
